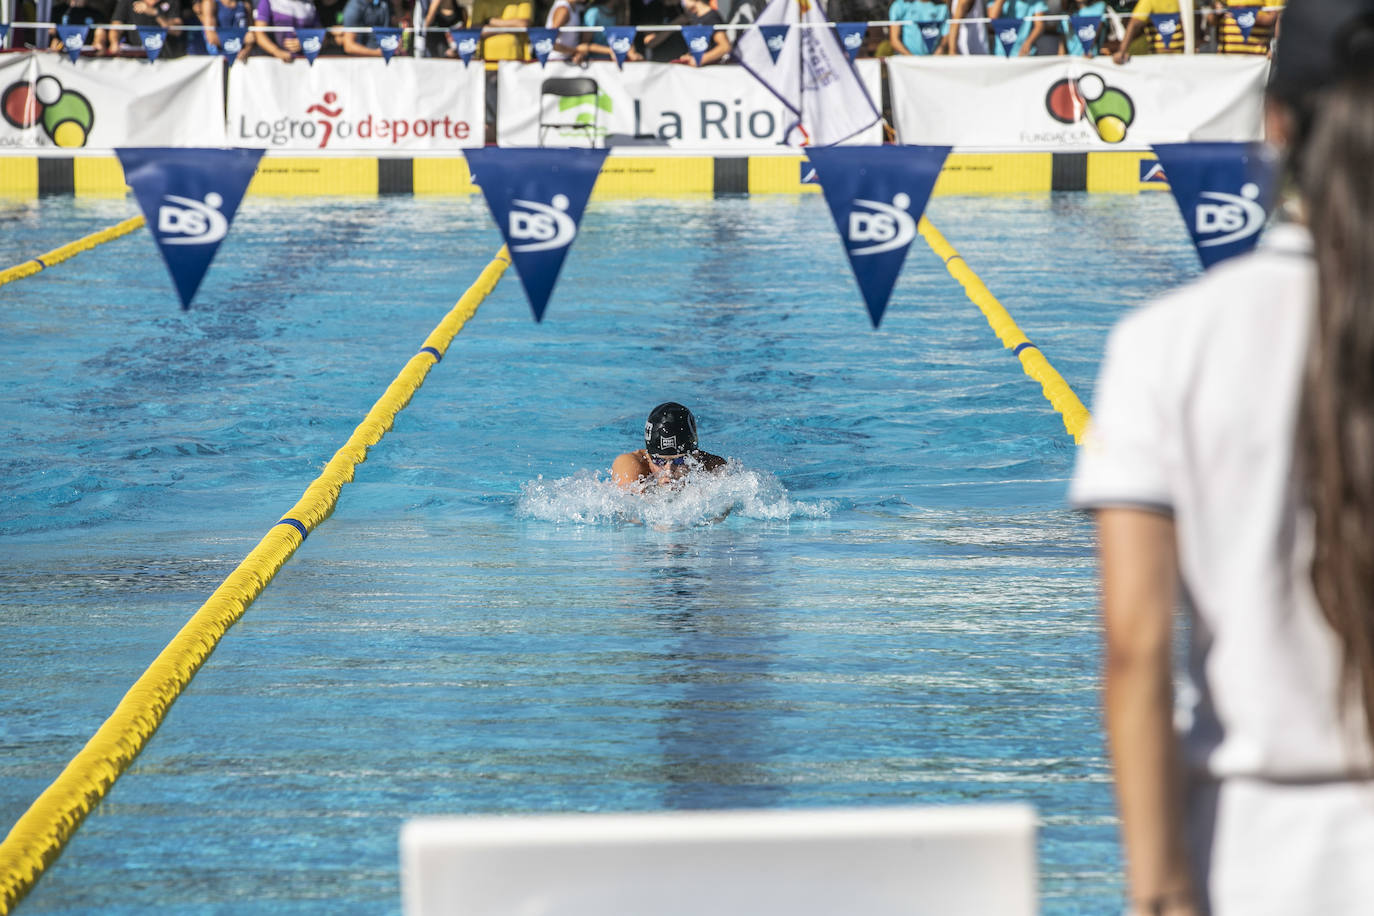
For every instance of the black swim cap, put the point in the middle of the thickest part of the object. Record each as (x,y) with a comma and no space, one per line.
(1321,43)
(670,430)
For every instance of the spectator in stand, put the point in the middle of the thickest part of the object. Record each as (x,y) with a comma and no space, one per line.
(1030,30)
(694,12)
(90,13)
(907,38)
(565,16)
(227,14)
(289,14)
(599,13)
(150,13)
(441,16)
(968,37)
(1141,24)
(1230,38)
(502,14)
(1073,45)
(368,14)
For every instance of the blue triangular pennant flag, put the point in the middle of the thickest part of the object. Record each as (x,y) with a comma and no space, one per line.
(1008,31)
(876,196)
(620,39)
(312,43)
(4,30)
(1166,26)
(388,40)
(1245,17)
(189,198)
(465,43)
(698,38)
(1224,191)
(930,34)
(852,37)
(1085,28)
(537,197)
(231,43)
(73,38)
(774,37)
(153,39)
(541,43)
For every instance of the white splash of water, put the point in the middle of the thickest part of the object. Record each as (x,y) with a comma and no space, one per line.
(698,499)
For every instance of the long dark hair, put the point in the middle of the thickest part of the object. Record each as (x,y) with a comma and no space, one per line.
(1336,179)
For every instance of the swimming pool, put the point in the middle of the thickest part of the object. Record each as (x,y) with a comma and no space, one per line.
(901,610)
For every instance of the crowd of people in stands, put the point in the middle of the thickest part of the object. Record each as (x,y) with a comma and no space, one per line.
(1128,26)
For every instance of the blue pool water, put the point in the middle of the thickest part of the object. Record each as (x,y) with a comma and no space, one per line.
(898,610)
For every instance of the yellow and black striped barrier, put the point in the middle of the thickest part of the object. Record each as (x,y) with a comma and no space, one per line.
(1052,384)
(632,176)
(58,255)
(39,836)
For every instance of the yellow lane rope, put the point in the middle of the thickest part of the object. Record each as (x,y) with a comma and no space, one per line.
(39,836)
(1056,390)
(58,255)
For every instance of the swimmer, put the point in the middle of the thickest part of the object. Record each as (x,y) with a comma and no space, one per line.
(670,450)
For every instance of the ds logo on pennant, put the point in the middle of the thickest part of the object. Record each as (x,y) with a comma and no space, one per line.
(888,226)
(546,227)
(389,42)
(622,44)
(190,222)
(1236,216)
(853,40)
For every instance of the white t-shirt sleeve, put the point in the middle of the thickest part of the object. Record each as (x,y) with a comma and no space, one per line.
(1124,459)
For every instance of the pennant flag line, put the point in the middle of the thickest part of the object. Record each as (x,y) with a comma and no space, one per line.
(189,198)
(1166,25)
(153,38)
(774,37)
(852,37)
(73,38)
(1086,28)
(388,42)
(1245,17)
(537,197)
(876,196)
(312,43)
(1008,31)
(1225,192)
(231,43)
(465,43)
(698,38)
(541,42)
(620,39)
(812,75)
(930,34)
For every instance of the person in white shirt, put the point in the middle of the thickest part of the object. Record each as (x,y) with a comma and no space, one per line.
(1232,459)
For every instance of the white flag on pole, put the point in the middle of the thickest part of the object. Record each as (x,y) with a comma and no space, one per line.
(812,75)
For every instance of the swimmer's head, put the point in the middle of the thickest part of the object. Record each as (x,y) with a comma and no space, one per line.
(671,430)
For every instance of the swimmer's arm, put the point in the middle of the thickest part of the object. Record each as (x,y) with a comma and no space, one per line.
(710,462)
(627,470)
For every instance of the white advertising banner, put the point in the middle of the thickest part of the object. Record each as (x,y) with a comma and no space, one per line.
(719,107)
(49,103)
(362,105)
(1068,104)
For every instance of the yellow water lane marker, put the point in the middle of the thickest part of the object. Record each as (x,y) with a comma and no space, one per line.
(38,837)
(1052,384)
(58,255)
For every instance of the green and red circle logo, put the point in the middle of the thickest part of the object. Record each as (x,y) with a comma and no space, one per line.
(1088,98)
(65,115)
